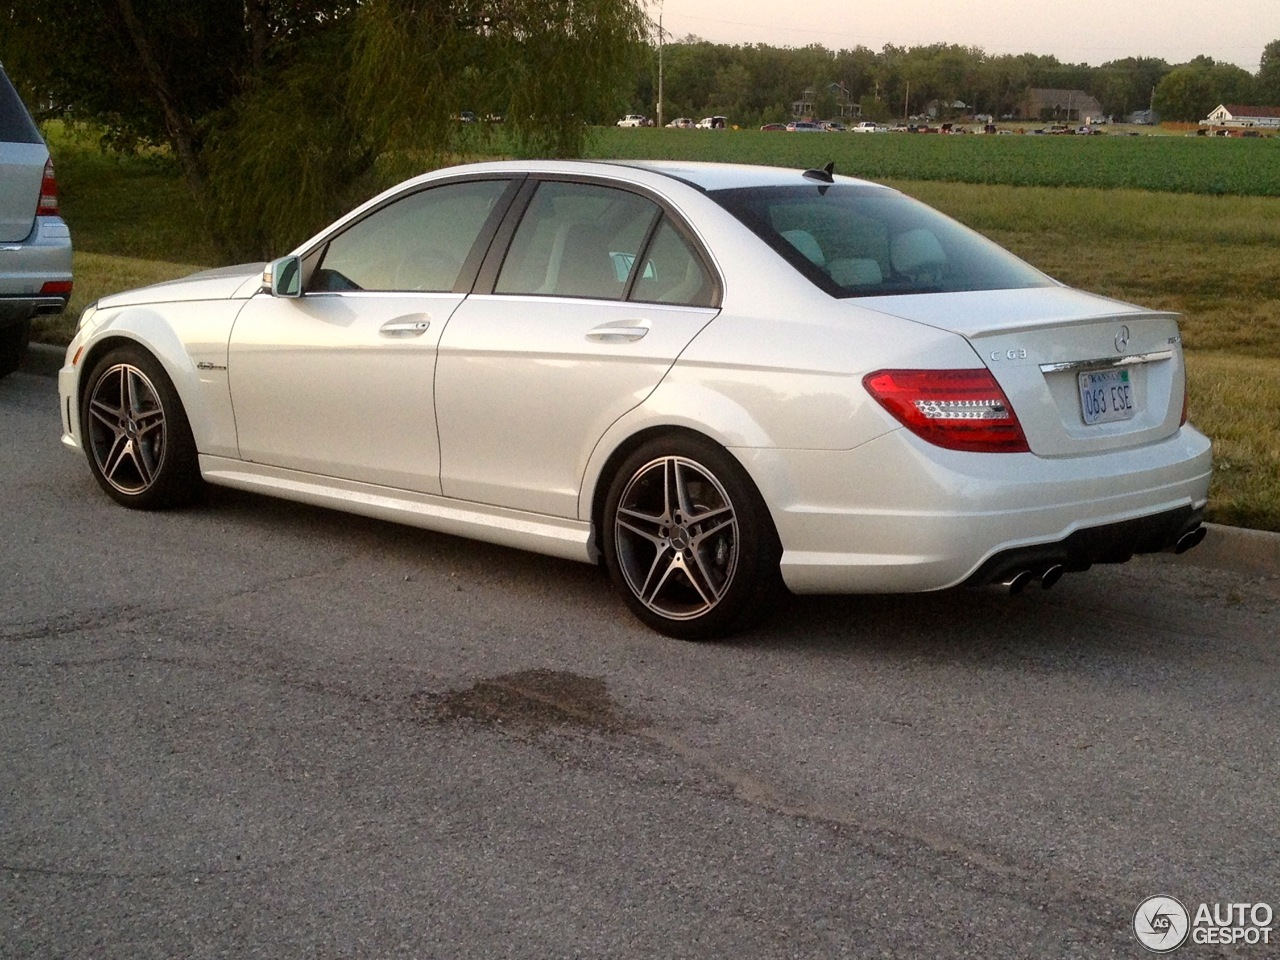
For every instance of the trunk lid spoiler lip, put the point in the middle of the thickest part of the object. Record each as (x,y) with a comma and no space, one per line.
(977,315)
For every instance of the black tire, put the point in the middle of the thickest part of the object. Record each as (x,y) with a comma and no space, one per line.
(136,433)
(688,540)
(13,346)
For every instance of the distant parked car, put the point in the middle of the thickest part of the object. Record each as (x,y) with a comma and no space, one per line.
(682,123)
(833,126)
(35,244)
(804,126)
(712,123)
(634,120)
(774,126)
(867,126)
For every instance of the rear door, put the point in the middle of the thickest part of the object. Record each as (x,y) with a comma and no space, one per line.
(598,293)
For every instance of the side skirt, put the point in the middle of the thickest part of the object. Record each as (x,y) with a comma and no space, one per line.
(554,536)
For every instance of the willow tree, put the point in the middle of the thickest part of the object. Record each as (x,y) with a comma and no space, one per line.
(358,108)
(282,112)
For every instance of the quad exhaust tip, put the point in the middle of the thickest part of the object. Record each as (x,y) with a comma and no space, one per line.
(1047,576)
(1189,539)
(1051,573)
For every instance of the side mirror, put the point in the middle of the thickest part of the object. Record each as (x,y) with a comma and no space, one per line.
(283,277)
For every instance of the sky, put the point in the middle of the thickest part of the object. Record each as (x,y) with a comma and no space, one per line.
(1075,31)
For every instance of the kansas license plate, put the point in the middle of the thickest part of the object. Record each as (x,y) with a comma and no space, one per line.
(1106,395)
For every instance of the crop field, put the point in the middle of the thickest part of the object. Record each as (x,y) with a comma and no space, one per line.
(1203,165)
(1149,220)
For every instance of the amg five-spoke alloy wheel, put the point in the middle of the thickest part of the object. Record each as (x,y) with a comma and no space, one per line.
(688,540)
(136,434)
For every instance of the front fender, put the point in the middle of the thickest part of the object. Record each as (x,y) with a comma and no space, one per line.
(192,349)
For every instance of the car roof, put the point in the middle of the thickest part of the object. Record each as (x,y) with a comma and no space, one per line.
(700,174)
(719,176)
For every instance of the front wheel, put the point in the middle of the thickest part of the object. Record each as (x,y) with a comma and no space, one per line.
(136,433)
(688,540)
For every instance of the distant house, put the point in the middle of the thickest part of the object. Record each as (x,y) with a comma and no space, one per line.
(845,106)
(1043,104)
(945,108)
(1234,115)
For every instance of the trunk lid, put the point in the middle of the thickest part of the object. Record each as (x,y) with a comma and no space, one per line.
(1084,373)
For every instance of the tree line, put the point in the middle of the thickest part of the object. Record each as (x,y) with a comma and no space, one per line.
(283,113)
(758,83)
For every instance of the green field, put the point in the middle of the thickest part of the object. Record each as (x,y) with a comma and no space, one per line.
(1101,213)
(1174,164)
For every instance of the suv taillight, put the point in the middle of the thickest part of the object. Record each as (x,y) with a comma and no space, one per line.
(48,192)
(956,409)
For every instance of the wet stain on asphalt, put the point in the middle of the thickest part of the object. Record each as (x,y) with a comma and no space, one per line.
(529,700)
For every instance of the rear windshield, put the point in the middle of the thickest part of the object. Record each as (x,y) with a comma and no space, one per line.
(16,125)
(866,241)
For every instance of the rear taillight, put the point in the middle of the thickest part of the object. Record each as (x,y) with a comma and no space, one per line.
(56,288)
(956,409)
(48,192)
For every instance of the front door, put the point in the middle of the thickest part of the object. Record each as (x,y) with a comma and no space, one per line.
(339,382)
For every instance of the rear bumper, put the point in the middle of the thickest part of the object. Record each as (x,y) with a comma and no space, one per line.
(898,515)
(1109,543)
(26,266)
(15,310)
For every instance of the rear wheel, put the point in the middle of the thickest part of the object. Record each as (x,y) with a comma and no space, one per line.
(689,541)
(136,433)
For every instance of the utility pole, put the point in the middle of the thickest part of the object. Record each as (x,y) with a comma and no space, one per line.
(660,41)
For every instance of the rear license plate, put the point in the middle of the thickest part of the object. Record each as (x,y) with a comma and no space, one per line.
(1106,395)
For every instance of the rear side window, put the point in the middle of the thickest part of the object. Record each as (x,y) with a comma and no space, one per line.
(597,242)
(672,272)
(16,125)
(862,241)
(577,240)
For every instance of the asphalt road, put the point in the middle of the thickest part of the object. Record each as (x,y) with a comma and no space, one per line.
(254,729)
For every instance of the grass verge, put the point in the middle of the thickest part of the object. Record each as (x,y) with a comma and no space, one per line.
(96,275)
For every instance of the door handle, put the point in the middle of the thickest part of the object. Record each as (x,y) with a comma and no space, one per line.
(405,327)
(623,331)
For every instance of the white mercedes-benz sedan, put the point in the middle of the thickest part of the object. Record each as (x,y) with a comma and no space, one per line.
(716,380)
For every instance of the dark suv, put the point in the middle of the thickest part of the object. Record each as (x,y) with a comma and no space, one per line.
(35,244)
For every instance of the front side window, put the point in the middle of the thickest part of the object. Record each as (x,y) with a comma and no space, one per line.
(416,243)
(860,241)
